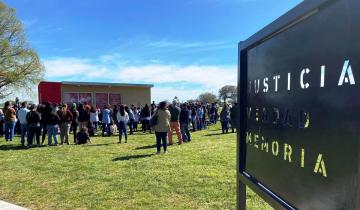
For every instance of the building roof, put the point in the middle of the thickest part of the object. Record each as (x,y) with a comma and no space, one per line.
(107,84)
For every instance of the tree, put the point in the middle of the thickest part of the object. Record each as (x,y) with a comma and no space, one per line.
(191,101)
(228,92)
(207,98)
(20,66)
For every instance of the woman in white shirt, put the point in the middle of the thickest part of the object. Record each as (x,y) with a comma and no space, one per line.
(94,118)
(122,118)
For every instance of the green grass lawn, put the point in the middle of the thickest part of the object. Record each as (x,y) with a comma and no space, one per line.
(107,175)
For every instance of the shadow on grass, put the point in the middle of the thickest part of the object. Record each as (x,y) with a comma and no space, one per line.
(217,134)
(17,147)
(132,157)
(146,147)
(99,145)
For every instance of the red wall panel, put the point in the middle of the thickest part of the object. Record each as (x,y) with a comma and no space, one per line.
(50,92)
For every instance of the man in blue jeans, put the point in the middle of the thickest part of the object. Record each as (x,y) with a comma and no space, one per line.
(184,123)
(23,122)
(52,127)
(10,120)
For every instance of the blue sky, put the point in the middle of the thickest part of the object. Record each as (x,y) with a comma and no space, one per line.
(183,47)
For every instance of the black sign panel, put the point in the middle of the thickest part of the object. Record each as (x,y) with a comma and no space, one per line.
(301,101)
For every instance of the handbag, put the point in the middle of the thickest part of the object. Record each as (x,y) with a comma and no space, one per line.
(154,119)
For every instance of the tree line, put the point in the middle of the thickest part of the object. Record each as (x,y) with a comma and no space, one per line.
(227,93)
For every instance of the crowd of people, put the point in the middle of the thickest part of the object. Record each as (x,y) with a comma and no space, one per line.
(36,123)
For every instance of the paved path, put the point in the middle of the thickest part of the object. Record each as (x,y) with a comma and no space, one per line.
(8,206)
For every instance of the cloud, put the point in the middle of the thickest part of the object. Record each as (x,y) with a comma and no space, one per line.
(110,57)
(29,23)
(208,76)
(170,80)
(168,46)
(66,67)
(162,94)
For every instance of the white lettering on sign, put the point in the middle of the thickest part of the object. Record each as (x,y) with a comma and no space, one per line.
(302,84)
(266,86)
(252,139)
(289,81)
(304,78)
(322,78)
(276,78)
(346,74)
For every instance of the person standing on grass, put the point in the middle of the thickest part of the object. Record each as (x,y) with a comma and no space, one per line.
(94,118)
(43,112)
(113,114)
(123,118)
(174,123)
(66,119)
(184,123)
(136,118)
(205,118)
(23,111)
(193,118)
(10,121)
(84,116)
(113,125)
(1,123)
(34,124)
(162,126)
(131,120)
(234,119)
(216,113)
(17,129)
(212,113)
(224,118)
(52,120)
(145,118)
(106,120)
(75,120)
(199,117)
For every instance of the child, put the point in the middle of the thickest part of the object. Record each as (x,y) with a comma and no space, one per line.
(83,136)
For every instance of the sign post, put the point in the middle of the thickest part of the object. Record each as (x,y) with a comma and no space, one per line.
(298,143)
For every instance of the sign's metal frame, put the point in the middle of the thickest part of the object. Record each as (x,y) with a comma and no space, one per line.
(301,12)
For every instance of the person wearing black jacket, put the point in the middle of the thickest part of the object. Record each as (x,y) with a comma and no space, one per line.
(51,119)
(145,115)
(184,123)
(75,121)
(114,113)
(234,121)
(44,110)
(34,118)
(84,116)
